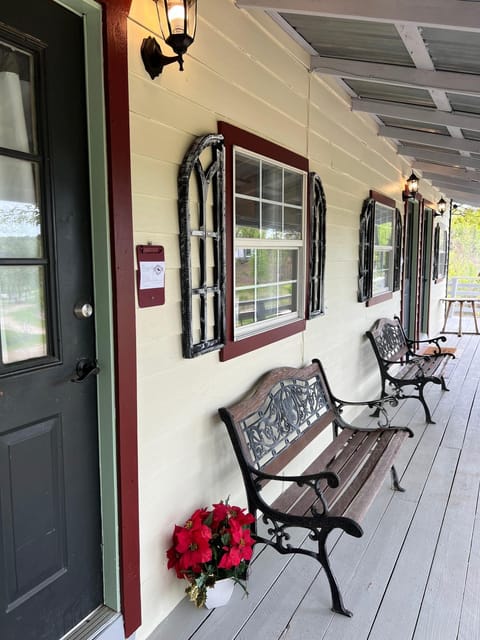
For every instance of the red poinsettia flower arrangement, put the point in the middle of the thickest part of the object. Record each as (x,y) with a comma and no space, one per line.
(212,544)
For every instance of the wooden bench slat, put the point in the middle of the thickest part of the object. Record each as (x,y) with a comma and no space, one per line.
(363,459)
(301,499)
(365,497)
(290,497)
(369,469)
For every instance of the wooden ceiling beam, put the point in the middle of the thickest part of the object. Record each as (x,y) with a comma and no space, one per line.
(431,139)
(450,14)
(449,159)
(465,83)
(418,114)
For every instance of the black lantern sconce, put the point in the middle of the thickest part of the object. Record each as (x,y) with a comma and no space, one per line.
(411,187)
(178,23)
(441,207)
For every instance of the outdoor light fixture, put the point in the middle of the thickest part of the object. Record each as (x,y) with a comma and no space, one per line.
(441,207)
(178,23)
(412,187)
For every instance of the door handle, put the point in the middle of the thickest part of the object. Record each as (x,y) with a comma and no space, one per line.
(85,368)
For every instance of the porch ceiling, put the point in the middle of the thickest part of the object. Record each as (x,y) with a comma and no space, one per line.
(413,65)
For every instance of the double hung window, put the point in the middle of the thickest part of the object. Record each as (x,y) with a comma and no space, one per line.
(266,221)
(269,220)
(440,253)
(383,249)
(380,249)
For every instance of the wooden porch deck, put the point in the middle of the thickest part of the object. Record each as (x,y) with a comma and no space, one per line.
(415,574)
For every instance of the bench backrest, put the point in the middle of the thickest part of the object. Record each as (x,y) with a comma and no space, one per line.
(285,411)
(388,339)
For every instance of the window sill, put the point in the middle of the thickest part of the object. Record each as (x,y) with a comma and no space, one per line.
(246,345)
(383,297)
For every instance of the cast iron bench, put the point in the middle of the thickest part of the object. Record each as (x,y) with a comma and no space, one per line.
(401,366)
(285,411)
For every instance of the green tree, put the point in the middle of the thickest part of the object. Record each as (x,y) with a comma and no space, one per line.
(464,258)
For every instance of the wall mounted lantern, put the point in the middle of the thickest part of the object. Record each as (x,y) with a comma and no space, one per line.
(411,188)
(441,207)
(178,23)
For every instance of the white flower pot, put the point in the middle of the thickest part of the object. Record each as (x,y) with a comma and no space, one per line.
(220,593)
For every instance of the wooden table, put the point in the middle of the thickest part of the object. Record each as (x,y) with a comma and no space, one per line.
(449,302)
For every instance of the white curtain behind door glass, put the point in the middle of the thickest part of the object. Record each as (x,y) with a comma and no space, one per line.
(16,179)
(22,311)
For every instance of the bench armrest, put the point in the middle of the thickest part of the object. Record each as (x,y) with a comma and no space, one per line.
(331,477)
(377,405)
(435,341)
(312,480)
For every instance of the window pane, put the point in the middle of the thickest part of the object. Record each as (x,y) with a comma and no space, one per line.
(267,266)
(16,130)
(245,267)
(293,188)
(247,175)
(287,300)
(267,303)
(382,269)
(272,178)
(288,265)
(20,224)
(266,284)
(247,216)
(383,225)
(23,324)
(244,307)
(271,221)
(293,224)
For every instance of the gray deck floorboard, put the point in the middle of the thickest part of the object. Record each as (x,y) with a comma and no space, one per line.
(415,573)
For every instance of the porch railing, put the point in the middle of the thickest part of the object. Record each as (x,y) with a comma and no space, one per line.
(464,287)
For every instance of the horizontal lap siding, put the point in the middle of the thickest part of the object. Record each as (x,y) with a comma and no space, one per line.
(244,70)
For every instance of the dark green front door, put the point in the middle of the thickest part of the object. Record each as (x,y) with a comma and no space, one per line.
(50,536)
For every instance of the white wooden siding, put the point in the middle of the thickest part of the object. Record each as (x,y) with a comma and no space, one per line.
(242,69)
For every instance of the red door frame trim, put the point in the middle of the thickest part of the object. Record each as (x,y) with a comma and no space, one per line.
(115,14)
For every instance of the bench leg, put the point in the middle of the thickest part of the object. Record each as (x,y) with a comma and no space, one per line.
(337,600)
(428,416)
(395,480)
(443,383)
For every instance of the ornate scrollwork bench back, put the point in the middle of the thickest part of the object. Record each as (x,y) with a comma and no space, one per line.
(282,416)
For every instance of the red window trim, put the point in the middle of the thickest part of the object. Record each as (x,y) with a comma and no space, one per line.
(389,202)
(115,15)
(380,197)
(371,302)
(234,136)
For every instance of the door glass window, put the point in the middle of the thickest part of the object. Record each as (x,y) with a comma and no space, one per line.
(20,222)
(23,263)
(22,313)
(17,131)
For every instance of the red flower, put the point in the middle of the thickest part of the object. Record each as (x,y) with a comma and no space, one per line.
(192,543)
(224,513)
(197,518)
(240,548)
(174,561)
(211,545)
